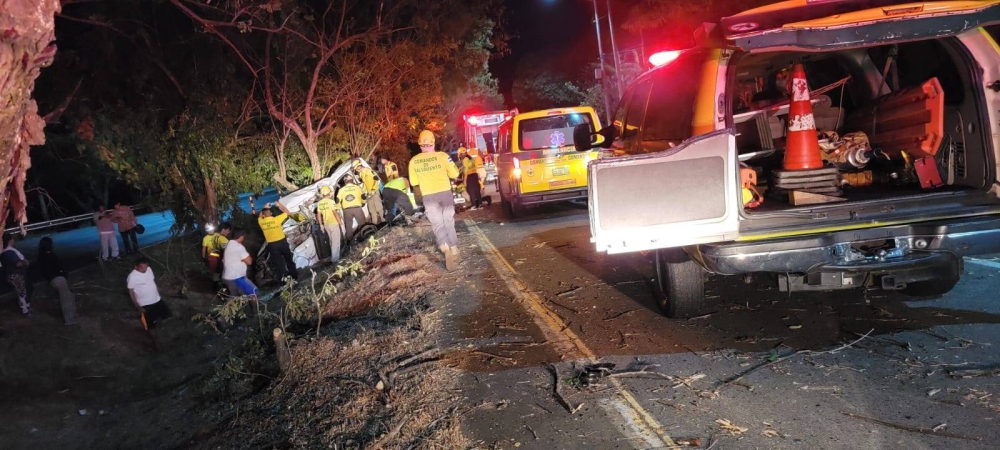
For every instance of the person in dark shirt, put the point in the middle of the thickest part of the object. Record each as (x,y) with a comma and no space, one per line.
(56,276)
(15,268)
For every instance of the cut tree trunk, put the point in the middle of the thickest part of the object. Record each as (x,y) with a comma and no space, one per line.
(27,32)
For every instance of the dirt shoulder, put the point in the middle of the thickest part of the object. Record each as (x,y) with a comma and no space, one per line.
(374,374)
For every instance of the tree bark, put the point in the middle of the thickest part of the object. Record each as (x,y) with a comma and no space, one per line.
(26,46)
(312,151)
(281,177)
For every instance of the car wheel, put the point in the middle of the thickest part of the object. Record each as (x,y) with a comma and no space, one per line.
(680,282)
(365,232)
(508,207)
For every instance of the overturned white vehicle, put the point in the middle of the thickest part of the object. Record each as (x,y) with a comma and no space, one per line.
(307,240)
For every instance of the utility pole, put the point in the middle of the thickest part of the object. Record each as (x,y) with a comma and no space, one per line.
(600,54)
(614,49)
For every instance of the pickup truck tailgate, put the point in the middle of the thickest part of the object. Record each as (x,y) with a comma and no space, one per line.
(682,196)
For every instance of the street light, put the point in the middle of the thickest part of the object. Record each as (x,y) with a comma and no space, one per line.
(614,49)
(600,55)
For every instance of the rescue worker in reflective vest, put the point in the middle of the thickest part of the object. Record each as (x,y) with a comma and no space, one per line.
(329,221)
(370,183)
(396,199)
(351,199)
(390,169)
(211,251)
(432,172)
(472,181)
(277,245)
(477,159)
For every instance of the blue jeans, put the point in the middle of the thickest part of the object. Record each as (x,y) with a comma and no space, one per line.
(241,286)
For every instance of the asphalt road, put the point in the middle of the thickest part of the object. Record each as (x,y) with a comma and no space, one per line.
(762,369)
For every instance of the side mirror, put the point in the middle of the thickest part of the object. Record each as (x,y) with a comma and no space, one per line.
(582,137)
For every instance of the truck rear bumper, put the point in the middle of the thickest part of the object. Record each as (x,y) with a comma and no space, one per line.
(875,250)
(537,198)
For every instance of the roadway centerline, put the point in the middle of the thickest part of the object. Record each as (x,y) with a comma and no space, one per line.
(641,423)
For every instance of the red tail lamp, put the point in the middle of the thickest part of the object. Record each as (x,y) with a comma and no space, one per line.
(663,58)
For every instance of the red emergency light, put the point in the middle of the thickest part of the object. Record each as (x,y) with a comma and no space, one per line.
(473,120)
(663,58)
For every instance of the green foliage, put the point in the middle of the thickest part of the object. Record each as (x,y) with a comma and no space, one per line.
(197,165)
(546,90)
(232,309)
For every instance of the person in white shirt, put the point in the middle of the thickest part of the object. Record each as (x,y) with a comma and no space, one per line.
(235,260)
(146,297)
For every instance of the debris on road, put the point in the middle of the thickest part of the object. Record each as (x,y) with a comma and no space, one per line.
(734,430)
(558,395)
(621,314)
(686,381)
(770,433)
(568,291)
(768,362)
(931,431)
(931,392)
(691,442)
(972,373)
(593,373)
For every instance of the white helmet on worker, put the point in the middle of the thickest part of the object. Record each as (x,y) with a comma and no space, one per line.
(426,139)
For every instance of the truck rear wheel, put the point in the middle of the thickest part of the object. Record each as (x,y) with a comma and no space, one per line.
(508,208)
(681,283)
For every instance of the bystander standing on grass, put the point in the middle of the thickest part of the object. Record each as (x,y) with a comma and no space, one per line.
(15,267)
(54,273)
(106,228)
(146,298)
(127,227)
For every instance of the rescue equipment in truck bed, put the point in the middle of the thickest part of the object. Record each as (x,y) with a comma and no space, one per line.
(910,120)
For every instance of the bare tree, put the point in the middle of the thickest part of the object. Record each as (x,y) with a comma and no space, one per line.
(281,43)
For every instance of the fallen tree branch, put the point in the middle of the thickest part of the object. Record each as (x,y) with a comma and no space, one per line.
(902,345)
(390,435)
(753,369)
(972,373)
(621,314)
(568,291)
(640,374)
(847,345)
(920,430)
(564,306)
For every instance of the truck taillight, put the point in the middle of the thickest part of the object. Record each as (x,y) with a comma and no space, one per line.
(473,120)
(663,58)
(517,168)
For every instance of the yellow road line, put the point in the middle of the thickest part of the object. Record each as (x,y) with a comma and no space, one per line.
(554,327)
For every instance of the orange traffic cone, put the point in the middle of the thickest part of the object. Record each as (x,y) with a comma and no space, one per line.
(802,148)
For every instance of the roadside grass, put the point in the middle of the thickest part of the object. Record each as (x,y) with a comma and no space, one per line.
(363,371)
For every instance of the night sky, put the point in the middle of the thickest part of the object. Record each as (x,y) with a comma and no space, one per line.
(558,35)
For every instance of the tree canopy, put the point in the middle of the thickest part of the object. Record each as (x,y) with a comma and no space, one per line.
(185,104)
